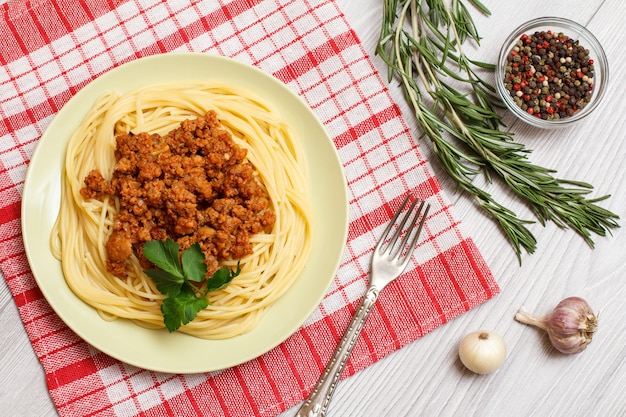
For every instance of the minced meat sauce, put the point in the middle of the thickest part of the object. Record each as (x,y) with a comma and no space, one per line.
(191,185)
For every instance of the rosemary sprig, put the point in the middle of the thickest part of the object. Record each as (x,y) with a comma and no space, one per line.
(421,43)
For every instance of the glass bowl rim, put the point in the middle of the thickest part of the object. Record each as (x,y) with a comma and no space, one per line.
(562,25)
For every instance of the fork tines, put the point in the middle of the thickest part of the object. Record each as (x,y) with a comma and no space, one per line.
(388,244)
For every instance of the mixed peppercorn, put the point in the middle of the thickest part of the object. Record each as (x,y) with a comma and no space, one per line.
(549,75)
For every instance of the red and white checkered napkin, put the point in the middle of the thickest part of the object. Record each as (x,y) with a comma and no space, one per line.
(50,49)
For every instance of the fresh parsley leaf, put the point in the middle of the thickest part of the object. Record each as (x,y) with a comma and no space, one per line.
(182,308)
(166,283)
(178,279)
(164,254)
(194,267)
(221,278)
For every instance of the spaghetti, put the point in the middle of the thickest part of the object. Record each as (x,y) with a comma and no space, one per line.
(81,231)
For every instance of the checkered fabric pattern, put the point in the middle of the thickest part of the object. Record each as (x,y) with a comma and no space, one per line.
(51,49)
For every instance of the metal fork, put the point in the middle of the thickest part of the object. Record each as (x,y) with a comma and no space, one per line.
(389,260)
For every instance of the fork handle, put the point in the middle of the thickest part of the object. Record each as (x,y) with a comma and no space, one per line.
(317,402)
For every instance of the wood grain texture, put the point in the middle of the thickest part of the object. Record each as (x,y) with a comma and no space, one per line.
(426,377)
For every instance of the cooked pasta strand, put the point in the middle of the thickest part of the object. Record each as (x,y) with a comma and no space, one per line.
(81,231)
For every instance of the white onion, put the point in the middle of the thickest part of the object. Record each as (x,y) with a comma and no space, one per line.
(482,351)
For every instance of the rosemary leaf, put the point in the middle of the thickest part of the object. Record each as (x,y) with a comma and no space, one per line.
(480,7)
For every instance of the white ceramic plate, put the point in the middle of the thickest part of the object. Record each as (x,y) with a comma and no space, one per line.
(158,350)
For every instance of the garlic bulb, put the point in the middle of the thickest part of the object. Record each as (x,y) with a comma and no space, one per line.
(570,326)
(482,351)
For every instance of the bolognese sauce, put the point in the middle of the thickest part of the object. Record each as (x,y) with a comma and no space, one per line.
(192,185)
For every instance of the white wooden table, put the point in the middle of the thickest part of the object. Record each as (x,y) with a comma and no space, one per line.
(426,377)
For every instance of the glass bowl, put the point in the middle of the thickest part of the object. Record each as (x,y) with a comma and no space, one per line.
(558,116)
